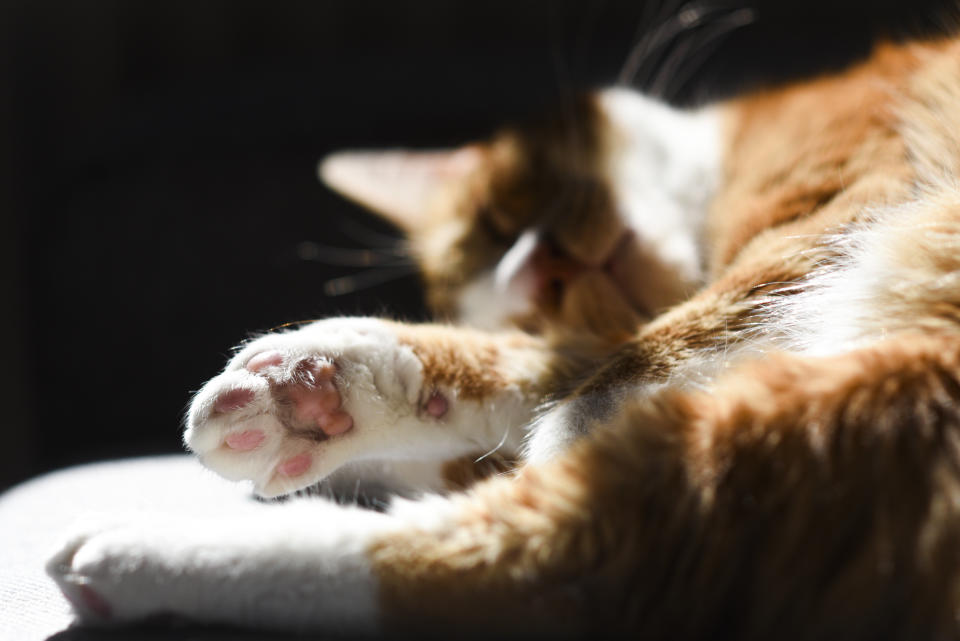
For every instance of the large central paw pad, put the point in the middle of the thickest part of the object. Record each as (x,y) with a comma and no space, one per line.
(265,422)
(308,401)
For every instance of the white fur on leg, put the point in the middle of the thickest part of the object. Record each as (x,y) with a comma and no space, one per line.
(381,385)
(295,566)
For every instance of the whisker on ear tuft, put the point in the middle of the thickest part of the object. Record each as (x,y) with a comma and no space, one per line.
(676,47)
(688,56)
(650,40)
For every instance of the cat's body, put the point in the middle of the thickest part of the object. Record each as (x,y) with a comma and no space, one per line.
(734,397)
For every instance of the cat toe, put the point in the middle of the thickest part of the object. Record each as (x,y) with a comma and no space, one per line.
(233,399)
(72,570)
(268,421)
(312,400)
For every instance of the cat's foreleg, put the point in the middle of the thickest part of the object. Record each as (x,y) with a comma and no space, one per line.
(292,566)
(505,558)
(821,487)
(291,408)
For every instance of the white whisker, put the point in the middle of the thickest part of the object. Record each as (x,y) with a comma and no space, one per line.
(312,251)
(363,280)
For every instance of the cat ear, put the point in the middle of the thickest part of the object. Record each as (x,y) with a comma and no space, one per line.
(397,184)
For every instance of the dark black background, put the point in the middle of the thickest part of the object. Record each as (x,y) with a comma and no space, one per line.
(157,168)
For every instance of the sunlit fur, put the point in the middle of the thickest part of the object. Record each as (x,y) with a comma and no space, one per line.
(796,474)
(754,436)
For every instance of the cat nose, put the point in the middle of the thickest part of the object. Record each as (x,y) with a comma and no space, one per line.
(536,267)
(553,268)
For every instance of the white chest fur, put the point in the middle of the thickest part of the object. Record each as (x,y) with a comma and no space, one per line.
(664,165)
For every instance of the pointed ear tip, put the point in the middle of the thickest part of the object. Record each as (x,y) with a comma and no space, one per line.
(334,169)
(327,166)
(323,172)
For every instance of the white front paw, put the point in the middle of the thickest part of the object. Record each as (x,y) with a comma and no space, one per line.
(291,408)
(102,570)
(296,566)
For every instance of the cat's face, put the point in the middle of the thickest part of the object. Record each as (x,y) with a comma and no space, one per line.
(531,229)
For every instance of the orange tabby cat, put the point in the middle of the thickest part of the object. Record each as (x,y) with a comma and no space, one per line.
(722,344)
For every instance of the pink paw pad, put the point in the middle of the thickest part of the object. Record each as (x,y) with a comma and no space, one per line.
(86,599)
(316,401)
(245,441)
(437,405)
(295,466)
(233,400)
(264,359)
(336,423)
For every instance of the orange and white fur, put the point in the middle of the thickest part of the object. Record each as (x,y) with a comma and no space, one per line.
(715,355)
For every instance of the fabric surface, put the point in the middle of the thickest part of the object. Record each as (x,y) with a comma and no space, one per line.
(35,515)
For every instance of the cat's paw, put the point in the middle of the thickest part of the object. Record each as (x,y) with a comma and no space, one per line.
(291,408)
(97,567)
(299,565)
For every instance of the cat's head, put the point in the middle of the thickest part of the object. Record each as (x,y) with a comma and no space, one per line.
(568,222)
